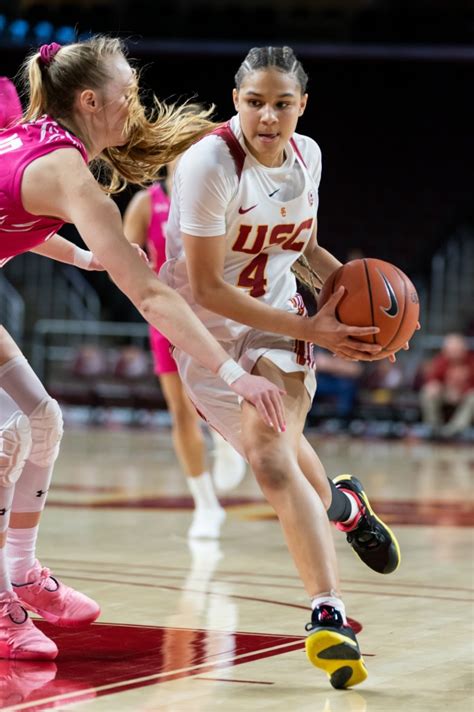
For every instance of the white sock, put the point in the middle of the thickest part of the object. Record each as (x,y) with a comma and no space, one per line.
(330,600)
(355,507)
(5,582)
(202,491)
(21,552)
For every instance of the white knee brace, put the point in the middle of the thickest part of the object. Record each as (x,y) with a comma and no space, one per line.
(46,432)
(15,446)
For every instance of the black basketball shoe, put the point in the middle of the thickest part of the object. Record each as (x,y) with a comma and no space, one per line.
(372,540)
(332,646)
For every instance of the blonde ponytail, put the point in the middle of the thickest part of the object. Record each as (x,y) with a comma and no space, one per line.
(153,139)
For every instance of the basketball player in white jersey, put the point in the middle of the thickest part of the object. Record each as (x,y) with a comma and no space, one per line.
(244,209)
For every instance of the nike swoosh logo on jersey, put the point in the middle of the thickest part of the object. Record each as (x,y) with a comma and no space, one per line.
(242,210)
(392,309)
(270,195)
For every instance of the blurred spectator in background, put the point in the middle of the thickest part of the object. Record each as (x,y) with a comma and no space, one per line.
(89,361)
(10,106)
(448,390)
(337,380)
(132,363)
(383,380)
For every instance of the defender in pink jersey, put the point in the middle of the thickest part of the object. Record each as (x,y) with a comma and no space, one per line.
(145,224)
(243,211)
(84,105)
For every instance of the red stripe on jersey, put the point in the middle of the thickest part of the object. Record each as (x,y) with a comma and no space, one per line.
(236,150)
(297,151)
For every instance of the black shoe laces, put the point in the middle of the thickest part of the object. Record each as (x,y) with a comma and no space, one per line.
(367,535)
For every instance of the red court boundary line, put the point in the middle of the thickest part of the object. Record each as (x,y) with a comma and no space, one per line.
(75,698)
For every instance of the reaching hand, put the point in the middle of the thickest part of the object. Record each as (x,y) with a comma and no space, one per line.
(392,358)
(329,332)
(265,397)
(141,252)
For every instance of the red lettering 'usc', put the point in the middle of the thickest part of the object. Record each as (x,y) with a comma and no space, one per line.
(283,234)
(258,244)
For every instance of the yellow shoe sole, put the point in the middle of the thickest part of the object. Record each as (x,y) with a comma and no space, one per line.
(338,656)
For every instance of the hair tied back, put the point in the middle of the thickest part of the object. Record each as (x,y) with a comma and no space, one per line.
(47,53)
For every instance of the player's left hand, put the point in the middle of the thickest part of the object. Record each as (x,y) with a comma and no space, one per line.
(265,397)
(141,252)
(392,358)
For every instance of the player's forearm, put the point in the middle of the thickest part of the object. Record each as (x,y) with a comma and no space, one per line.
(59,249)
(322,261)
(171,315)
(233,303)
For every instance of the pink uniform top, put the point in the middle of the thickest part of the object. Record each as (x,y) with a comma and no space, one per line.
(156,239)
(20,145)
(10,107)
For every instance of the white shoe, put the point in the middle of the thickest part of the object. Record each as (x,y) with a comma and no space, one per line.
(229,466)
(207,523)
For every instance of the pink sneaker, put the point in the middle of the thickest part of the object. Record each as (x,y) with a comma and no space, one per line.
(19,637)
(54,601)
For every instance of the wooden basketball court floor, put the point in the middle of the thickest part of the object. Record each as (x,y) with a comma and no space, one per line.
(221,625)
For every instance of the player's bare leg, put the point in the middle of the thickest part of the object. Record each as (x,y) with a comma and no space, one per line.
(190,450)
(331,644)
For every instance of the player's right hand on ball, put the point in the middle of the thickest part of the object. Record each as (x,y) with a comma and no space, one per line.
(327,331)
(265,397)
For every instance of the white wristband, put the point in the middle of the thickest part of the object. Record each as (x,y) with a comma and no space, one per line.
(230,371)
(82,258)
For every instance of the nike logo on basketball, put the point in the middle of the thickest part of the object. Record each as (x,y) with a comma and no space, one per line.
(392,310)
(242,211)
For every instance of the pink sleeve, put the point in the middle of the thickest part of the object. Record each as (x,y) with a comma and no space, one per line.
(10,106)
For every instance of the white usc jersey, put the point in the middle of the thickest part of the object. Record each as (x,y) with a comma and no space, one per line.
(266,214)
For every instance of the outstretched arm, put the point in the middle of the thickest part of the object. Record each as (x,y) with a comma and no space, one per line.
(68,190)
(62,250)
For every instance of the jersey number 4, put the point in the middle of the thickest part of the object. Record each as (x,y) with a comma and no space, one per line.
(253,276)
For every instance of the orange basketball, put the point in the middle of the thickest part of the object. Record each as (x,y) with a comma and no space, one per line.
(377,294)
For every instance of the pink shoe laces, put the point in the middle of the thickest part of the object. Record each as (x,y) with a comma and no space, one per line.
(11,606)
(40,584)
